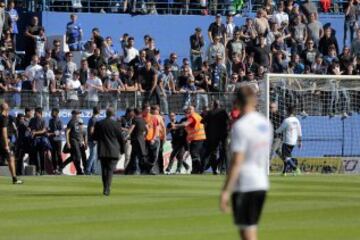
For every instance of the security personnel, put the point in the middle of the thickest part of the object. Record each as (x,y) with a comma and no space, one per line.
(195,136)
(151,138)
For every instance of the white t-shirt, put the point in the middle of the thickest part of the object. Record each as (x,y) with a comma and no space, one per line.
(291,130)
(280,17)
(131,53)
(33,70)
(93,92)
(73,87)
(252,135)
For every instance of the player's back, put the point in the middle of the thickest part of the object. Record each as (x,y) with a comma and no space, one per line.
(252,135)
(292,128)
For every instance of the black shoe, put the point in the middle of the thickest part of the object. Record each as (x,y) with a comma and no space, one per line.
(18,182)
(106,193)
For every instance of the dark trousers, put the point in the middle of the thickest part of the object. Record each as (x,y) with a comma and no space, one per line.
(107,170)
(178,153)
(153,154)
(211,154)
(137,159)
(76,157)
(195,152)
(56,155)
(161,157)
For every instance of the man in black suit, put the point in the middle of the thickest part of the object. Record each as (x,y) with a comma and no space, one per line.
(110,143)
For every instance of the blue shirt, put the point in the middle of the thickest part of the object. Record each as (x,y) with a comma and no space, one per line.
(14,14)
(73,32)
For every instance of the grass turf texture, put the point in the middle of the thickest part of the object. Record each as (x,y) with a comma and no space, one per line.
(174,207)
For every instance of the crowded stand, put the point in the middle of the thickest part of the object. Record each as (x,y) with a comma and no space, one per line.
(286,38)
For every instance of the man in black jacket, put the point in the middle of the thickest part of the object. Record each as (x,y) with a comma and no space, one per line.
(110,142)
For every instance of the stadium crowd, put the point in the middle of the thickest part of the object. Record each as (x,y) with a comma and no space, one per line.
(288,39)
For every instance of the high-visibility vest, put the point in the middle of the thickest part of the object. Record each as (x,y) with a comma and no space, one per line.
(196,133)
(149,120)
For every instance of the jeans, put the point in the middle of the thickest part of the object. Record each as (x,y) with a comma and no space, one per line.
(202,100)
(349,28)
(91,104)
(42,99)
(196,62)
(164,104)
(90,166)
(341,96)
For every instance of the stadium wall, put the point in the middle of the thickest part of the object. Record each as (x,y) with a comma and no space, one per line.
(171,32)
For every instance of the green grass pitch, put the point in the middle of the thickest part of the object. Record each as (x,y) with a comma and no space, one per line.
(174,207)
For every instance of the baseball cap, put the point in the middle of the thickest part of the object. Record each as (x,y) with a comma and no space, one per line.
(218,15)
(198,29)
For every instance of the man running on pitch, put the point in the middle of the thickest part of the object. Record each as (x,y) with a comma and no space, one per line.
(251,140)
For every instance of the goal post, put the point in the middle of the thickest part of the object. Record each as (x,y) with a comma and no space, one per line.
(328,108)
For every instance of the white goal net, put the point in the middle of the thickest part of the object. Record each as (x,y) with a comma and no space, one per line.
(327,106)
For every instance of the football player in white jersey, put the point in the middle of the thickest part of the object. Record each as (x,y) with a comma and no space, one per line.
(292,136)
(247,183)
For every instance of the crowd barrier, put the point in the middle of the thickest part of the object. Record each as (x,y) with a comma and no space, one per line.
(121,101)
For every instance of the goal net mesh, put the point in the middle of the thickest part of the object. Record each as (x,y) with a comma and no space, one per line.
(327,106)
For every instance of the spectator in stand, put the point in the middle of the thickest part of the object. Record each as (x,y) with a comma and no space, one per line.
(319,66)
(96,60)
(97,38)
(218,75)
(355,45)
(237,63)
(14,18)
(279,64)
(280,15)
(315,29)
(57,53)
(55,133)
(174,67)
(69,67)
(351,21)
(73,90)
(74,34)
(84,71)
(90,165)
(90,47)
(308,8)
(110,55)
(248,32)
(298,66)
(130,52)
(230,27)
(31,32)
(151,51)
(130,82)
(234,47)
(167,80)
(327,40)
(40,42)
(48,58)
(104,73)
(309,54)
(262,56)
(216,49)
(138,62)
(113,86)
(196,44)
(346,58)
(148,80)
(93,87)
(217,29)
(34,69)
(251,65)
(331,56)
(14,87)
(299,35)
(261,23)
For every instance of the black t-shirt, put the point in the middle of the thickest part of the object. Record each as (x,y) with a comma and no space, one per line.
(99,41)
(91,123)
(130,82)
(216,123)
(261,56)
(4,123)
(217,30)
(138,134)
(37,124)
(75,130)
(147,78)
(178,136)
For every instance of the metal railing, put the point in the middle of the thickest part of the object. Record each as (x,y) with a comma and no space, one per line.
(184,7)
(74,100)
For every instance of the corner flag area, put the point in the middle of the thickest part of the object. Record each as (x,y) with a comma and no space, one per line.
(174,207)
